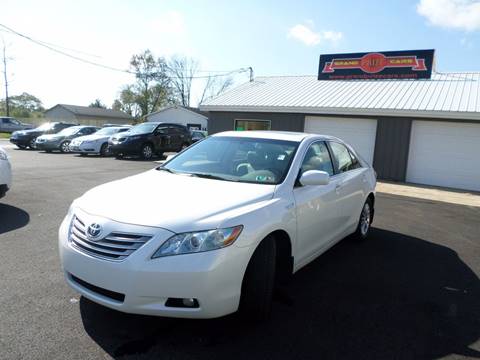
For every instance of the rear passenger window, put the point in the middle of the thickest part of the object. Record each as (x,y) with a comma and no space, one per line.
(317,158)
(341,157)
(355,163)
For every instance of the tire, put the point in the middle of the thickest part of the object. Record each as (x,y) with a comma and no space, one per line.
(104,149)
(32,144)
(64,147)
(21,147)
(147,152)
(365,221)
(259,281)
(118,156)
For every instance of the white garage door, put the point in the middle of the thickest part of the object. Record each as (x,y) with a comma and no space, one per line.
(445,154)
(360,133)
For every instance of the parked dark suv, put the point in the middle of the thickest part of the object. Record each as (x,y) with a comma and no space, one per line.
(26,138)
(150,138)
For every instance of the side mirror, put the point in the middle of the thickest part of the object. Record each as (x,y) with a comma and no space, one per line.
(314,177)
(170,157)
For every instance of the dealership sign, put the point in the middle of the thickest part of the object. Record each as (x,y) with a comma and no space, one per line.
(411,64)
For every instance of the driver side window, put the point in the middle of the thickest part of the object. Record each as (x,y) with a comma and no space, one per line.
(317,158)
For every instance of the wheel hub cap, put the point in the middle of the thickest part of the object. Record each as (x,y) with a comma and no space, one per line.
(365,219)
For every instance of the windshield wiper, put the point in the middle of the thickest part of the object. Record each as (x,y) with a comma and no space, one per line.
(210,176)
(161,168)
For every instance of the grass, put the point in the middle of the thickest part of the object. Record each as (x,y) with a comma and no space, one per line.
(4,136)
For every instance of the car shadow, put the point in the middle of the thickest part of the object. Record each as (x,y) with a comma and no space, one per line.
(12,218)
(391,297)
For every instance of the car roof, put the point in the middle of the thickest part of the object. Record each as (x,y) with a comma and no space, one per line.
(275,135)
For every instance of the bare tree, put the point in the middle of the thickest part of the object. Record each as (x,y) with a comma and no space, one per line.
(214,86)
(182,71)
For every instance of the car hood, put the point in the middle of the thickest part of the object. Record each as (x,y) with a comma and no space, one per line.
(51,137)
(179,203)
(31,132)
(92,137)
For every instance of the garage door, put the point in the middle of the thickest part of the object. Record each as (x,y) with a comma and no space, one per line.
(360,133)
(445,154)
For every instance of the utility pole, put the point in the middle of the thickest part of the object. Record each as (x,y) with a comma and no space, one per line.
(251,73)
(7,105)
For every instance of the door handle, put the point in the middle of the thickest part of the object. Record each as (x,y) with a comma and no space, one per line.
(338,186)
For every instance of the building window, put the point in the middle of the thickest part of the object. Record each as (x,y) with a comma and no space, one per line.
(241,125)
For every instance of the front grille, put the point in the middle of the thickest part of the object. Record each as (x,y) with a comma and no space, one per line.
(107,293)
(115,246)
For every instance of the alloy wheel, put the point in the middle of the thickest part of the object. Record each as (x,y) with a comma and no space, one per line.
(365,219)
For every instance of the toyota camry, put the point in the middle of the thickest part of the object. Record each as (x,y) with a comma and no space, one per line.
(265,205)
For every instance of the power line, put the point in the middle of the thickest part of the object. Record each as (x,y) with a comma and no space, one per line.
(53,48)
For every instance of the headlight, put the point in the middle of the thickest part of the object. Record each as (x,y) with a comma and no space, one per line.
(131,138)
(195,242)
(3,155)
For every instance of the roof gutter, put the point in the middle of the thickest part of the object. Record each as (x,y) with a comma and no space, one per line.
(461,115)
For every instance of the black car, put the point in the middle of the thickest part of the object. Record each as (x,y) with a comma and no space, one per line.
(150,138)
(27,138)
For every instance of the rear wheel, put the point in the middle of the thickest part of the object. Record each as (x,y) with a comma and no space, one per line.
(147,152)
(65,147)
(258,282)
(32,144)
(104,150)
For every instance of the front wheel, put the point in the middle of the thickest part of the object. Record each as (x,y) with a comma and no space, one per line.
(65,147)
(365,221)
(147,152)
(258,282)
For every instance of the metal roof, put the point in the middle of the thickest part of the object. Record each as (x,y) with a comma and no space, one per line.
(445,95)
(93,111)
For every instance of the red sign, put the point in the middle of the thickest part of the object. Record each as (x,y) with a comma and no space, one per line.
(375,62)
(377,65)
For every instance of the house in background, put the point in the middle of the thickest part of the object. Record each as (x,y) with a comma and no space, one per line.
(188,116)
(86,115)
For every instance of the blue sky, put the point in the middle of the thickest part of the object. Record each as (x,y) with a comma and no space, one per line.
(274,37)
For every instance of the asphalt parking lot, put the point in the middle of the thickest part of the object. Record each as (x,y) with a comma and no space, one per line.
(412,291)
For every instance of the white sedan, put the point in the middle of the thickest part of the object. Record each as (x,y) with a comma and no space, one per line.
(216,227)
(96,143)
(5,173)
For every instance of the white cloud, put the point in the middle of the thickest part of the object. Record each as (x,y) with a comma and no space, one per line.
(170,23)
(305,33)
(454,14)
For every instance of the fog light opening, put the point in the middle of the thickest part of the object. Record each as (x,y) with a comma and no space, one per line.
(182,303)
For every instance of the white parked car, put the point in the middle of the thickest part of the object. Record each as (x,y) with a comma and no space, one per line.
(96,143)
(217,226)
(5,173)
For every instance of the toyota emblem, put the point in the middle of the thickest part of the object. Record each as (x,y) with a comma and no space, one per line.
(94,230)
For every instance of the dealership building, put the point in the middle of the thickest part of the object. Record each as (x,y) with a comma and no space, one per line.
(418,130)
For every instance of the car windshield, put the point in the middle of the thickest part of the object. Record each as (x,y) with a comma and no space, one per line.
(108,131)
(45,127)
(260,161)
(144,128)
(69,131)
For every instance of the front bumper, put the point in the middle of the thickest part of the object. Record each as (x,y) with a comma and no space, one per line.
(125,148)
(82,148)
(25,141)
(48,145)
(214,278)
(5,177)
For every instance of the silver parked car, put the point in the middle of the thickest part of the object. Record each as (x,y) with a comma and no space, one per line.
(10,124)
